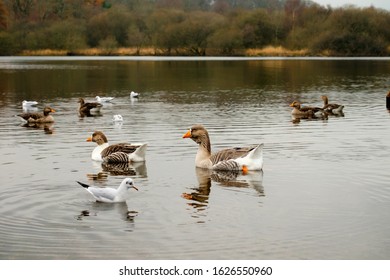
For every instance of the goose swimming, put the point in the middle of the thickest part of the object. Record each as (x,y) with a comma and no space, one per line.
(43,117)
(116,153)
(243,158)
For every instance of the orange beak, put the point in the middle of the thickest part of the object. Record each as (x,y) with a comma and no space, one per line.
(52,110)
(292,104)
(188,134)
(89,139)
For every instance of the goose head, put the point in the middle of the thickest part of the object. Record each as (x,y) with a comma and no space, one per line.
(296,105)
(200,135)
(81,101)
(98,137)
(47,111)
(325,99)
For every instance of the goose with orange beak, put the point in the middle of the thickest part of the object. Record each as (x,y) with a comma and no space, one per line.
(116,153)
(43,117)
(243,158)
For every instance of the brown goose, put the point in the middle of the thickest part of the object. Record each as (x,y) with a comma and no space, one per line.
(331,108)
(44,117)
(116,153)
(247,158)
(86,107)
(306,111)
(388,100)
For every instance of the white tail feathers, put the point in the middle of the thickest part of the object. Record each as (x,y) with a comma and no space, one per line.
(253,160)
(256,152)
(138,154)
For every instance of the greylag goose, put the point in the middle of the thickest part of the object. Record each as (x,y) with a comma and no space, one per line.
(331,108)
(111,195)
(246,158)
(116,153)
(306,111)
(86,108)
(44,117)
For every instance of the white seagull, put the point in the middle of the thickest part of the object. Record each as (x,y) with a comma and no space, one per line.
(117,118)
(134,94)
(104,99)
(27,104)
(111,195)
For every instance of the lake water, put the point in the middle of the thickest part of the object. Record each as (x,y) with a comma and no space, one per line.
(324,192)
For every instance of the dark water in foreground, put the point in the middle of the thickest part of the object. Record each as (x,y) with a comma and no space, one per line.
(324,192)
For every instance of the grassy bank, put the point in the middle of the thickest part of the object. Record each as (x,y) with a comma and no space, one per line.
(149,51)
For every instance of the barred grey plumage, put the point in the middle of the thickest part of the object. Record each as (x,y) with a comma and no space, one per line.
(116,157)
(226,165)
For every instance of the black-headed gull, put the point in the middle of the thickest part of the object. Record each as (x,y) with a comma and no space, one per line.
(111,195)
(134,94)
(26,103)
(117,118)
(104,99)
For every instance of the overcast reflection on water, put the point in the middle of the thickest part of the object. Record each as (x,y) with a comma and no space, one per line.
(323,194)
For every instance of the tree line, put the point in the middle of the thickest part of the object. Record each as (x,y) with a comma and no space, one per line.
(192,27)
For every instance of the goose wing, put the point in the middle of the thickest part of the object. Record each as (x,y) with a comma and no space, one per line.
(90,105)
(28,116)
(121,147)
(232,153)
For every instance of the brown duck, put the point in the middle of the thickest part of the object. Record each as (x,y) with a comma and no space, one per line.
(43,117)
(305,111)
(331,108)
(86,108)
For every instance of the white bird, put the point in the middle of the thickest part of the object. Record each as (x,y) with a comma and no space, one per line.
(104,99)
(134,94)
(27,104)
(117,118)
(111,195)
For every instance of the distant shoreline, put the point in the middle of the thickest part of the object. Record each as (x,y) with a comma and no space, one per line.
(149,51)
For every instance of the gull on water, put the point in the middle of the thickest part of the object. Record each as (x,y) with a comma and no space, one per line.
(134,94)
(104,99)
(111,195)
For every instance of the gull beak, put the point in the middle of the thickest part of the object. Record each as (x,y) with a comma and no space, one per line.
(187,134)
(134,187)
(89,139)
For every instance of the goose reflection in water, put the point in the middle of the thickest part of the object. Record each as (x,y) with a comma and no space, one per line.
(199,197)
(117,169)
(98,208)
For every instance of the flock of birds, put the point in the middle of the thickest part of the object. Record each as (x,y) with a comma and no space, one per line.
(242,159)
(317,112)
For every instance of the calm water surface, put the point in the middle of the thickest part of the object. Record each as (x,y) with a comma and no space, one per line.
(324,192)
